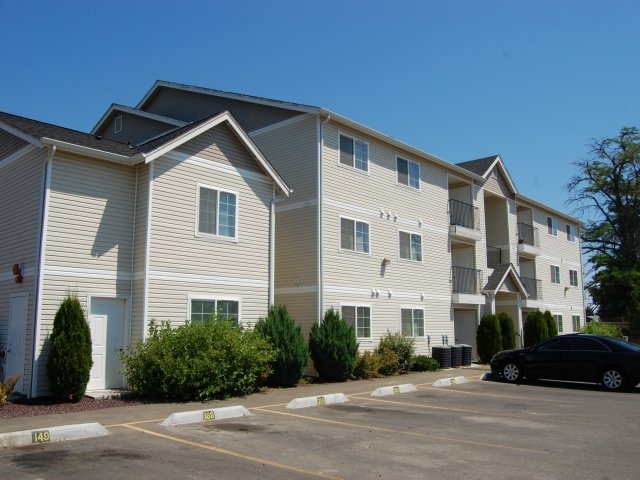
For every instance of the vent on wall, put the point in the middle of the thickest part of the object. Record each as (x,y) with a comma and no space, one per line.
(117,125)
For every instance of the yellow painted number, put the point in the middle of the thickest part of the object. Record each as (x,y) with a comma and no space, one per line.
(320,401)
(209,415)
(396,390)
(40,436)
(453,381)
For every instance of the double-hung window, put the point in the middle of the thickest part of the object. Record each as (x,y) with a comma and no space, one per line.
(412,320)
(408,173)
(555,274)
(359,317)
(201,309)
(558,319)
(575,320)
(411,246)
(573,278)
(217,212)
(354,235)
(552,226)
(354,153)
(571,233)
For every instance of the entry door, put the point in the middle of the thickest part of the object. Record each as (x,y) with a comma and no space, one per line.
(106,321)
(16,346)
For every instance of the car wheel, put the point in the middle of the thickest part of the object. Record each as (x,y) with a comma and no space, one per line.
(612,379)
(511,372)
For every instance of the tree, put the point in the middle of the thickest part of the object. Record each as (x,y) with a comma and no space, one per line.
(535,328)
(488,337)
(507,331)
(333,347)
(606,192)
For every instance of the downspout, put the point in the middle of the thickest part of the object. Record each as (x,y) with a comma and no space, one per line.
(272,247)
(39,275)
(320,219)
(145,304)
(133,256)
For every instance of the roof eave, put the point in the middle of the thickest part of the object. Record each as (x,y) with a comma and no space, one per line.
(93,152)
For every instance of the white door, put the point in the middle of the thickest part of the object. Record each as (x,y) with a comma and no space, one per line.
(16,345)
(465,328)
(106,321)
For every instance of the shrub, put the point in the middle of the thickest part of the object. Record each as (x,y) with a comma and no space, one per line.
(507,331)
(214,359)
(488,337)
(367,365)
(333,347)
(535,328)
(70,359)
(423,363)
(8,387)
(552,326)
(292,351)
(403,347)
(600,328)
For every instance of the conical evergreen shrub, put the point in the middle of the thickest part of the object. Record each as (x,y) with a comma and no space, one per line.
(488,337)
(507,330)
(333,347)
(70,357)
(292,351)
(535,329)
(552,326)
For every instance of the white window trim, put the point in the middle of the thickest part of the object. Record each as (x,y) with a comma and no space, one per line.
(570,279)
(421,244)
(424,319)
(216,298)
(346,250)
(409,161)
(573,233)
(355,326)
(197,231)
(117,124)
(355,139)
(554,226)
(573,322)
(560,324)
(555,277)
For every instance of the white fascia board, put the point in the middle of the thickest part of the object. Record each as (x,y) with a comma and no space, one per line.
(505,173)
(139,113)
(398,144)
(93,152)
(20,134)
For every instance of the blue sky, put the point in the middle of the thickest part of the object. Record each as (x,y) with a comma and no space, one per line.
(532,81)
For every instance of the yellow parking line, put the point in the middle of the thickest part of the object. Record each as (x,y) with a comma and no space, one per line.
(261,461)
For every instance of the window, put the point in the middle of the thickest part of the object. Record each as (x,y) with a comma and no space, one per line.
(217,212)
(201,309)
(571,233)
(360,318)
(117,124)
(573,278)
(412,320)
(558,319)
(408,173)
(354,153)
(354,235)
(552,226)
(555,274)
(575,321)
(411,246)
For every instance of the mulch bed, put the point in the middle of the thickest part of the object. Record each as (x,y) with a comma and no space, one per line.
(48,406)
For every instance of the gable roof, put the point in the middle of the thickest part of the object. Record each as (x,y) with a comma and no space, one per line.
(500,275)
(115,109)
(484,166)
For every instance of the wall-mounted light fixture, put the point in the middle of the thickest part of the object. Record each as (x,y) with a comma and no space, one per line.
(385,261)
(17,272)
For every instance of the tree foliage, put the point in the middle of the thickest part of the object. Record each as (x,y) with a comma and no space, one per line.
(488,337)
(606,192)
(333,347)
(535,328)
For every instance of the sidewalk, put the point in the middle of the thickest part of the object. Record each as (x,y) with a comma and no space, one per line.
(157,412)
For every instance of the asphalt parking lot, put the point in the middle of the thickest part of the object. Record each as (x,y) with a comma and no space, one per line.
(476,429)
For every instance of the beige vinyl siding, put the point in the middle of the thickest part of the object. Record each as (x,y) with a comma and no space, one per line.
(139,252)
(135,128)
(9,144)
(192,106)
(497,184)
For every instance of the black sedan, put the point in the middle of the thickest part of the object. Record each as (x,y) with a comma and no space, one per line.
(610,362)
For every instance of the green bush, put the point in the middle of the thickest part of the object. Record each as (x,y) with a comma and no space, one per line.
(552,326)
(8,387)
(333,347)
(507,331)
(403,347)
(70,359)
(371,365)
(292,351)
(601,328)
(214,359)
(488,337)
(535,328)
(423,363)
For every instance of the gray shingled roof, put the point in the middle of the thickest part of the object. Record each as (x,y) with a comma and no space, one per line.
(479,166)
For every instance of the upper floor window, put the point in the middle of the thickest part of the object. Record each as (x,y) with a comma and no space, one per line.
(571,233)
(411,246)
(359,317)
(354,235)
(555,274)
(412,320)
(354,153)
(552,226)
(117,124)
(573,278)
(408,172)
(202,309)
(217,212)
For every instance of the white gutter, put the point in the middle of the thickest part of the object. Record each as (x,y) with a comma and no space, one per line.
(147,247)
(320,257)
(39,274)
(272,247)
(94,152)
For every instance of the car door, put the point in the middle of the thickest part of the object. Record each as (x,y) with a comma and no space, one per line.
(547,359)
(586,359)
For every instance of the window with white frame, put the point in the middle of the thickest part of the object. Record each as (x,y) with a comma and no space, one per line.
(410,246)
(359,316)
(217,212)
(575,320)
(573,278)
(412,320)
(408,172)
(117,124)
(558,319)
(552,226)
(203,308)
(354,153)
(354,235)
(571,233)
(555,274)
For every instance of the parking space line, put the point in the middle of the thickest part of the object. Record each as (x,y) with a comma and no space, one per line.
(261,461)
(403,432)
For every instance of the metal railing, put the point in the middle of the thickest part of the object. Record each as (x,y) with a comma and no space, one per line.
(533,286)
(528,234)
(463,214)
(494,257)
(465,280)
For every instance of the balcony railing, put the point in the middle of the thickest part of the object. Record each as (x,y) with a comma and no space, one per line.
(528,234)
(494,257)
(534,287)
(466,280)
(463,214)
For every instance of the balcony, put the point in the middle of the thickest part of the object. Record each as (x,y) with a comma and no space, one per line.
(534,287)
(466,285)
(463,221)
(528,240)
